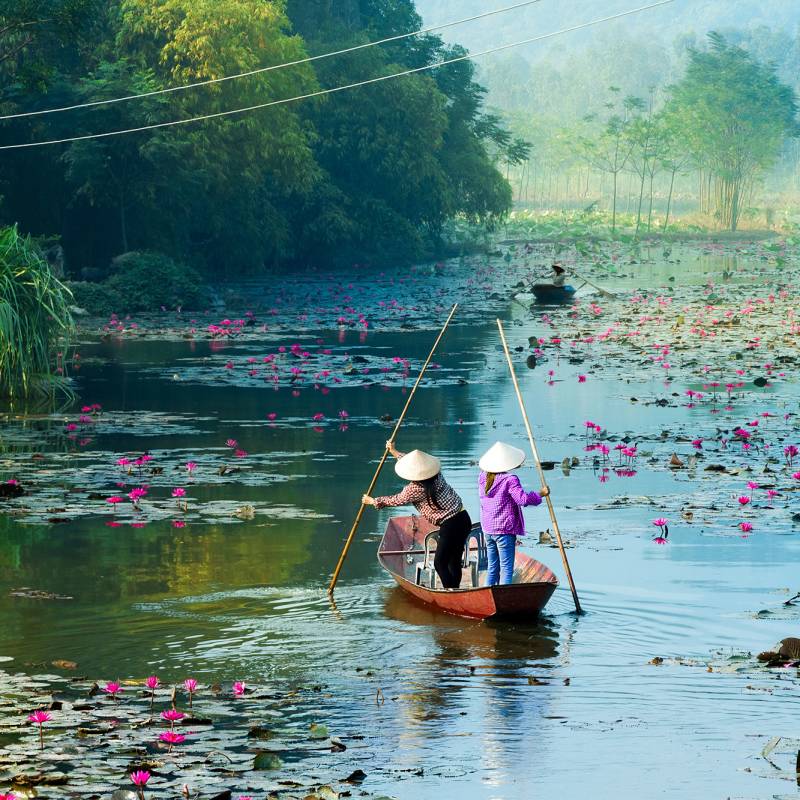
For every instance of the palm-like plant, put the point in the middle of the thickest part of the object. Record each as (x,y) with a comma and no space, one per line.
(34,317)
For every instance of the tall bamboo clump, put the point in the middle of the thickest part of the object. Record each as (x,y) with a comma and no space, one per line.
(35,318)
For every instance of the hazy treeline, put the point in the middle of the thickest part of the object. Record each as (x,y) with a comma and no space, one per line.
(364,174)
(637,125)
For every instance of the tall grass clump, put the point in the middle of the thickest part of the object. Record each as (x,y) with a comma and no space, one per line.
(35,318)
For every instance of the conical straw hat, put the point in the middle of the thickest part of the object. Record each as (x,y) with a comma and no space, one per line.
(417,466)
(501,457)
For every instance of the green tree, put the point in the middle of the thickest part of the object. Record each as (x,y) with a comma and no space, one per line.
(735,114)
(611,150)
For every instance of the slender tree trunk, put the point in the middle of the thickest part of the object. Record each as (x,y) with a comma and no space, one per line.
(650,207)
(641,198)
(614,206)
(528,180)
(734,205)
(669,198)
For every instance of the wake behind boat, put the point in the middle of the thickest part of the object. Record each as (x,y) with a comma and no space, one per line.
(406,553)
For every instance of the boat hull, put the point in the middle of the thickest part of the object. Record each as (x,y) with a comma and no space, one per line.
(534,583)
(547,294)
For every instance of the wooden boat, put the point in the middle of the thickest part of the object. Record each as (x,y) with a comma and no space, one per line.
(406,553)
(549,294)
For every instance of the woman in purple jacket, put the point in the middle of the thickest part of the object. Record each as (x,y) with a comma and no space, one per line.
(502,498)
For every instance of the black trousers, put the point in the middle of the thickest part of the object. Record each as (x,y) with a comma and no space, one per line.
(453,535)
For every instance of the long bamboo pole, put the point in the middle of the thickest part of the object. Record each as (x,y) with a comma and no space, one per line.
(357,522)
(535,452)
(600,289)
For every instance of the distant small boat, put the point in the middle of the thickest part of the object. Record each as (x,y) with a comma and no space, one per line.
(406,553)
(549,294)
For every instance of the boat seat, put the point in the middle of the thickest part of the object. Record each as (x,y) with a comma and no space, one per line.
(474,560)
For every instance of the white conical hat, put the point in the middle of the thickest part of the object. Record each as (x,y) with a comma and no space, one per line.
(501,457)
(417,466)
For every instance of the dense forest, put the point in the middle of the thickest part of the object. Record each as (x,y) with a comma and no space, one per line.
(620,124)
(367,174)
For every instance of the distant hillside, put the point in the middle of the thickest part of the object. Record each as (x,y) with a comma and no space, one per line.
(666,23)
(568,76)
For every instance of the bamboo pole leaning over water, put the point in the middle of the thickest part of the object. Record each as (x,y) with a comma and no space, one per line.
(535,452)
(351,535)
(603,292)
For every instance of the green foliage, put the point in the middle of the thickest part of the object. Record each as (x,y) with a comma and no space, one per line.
(143,282)
(151,281)
(735,115)
(370,174)
(34,317)
(99,299)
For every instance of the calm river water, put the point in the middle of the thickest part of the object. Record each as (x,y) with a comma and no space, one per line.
(463,715)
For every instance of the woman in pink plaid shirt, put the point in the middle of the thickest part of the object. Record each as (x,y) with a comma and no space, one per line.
(502,497)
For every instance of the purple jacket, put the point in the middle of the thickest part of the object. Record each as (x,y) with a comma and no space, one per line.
(501,508)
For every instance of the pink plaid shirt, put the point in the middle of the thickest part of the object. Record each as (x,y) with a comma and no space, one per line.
(448,501)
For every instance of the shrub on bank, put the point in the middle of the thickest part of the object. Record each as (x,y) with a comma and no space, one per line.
(143,281)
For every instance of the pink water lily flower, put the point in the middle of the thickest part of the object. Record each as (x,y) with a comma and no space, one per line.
(318,416)
(231,443)
(239,688)
(172,716)
(137,494)
(112,688)
(39,718)
(191,466)
(152,685)
(172,738)
(190,684)
(746,527)
(178,492)
(139,779)
(743,500)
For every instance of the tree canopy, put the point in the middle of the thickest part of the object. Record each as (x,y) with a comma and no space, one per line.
(734,113)
(370,173)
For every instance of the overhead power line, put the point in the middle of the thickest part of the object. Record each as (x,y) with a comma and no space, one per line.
(271,68)
(333,90)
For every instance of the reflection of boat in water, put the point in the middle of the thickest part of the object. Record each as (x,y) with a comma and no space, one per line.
(472,638)
(550,294)
(405,553)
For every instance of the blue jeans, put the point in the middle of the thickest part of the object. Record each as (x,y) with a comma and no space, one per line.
(500,551)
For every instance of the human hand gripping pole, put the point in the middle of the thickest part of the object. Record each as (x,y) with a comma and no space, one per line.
(535,453)
(351,535)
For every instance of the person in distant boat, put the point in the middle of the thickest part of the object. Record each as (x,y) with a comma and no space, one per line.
(437,502)
(560,276)
(502,497)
